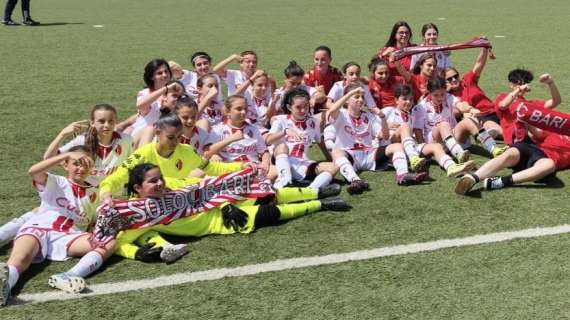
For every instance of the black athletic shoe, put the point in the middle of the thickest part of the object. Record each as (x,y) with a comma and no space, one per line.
(10,22)
(330,190)
(30,22)
(358,187)
(334,204)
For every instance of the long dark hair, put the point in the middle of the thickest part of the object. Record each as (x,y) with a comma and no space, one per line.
(392,39)
(151,68)
(92,137)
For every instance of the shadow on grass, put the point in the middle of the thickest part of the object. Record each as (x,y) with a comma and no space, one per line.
(34,270)
(478,150)
(548,183)
(55,24)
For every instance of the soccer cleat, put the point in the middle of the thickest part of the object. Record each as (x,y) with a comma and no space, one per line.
(173,252)
(30,22)
(465,184)
(67,282)
(497,151)
(10,22)
(330,190)
(463,156)
(493,183)
(455,170)
(409,178)
(334,204)
(417,163)
(358,187)
(4,285)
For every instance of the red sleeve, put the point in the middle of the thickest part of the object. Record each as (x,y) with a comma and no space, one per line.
(470,78)
(498,99)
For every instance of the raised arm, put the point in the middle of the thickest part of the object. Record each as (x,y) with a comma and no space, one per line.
(335,107)
(39,170)
(481,61)
(246,84)
(506,102)
(205,102)
(143,104)
(74,127)
(220,68)
(554,93)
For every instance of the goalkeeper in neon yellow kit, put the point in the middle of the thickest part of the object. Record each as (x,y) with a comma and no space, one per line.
(176,161)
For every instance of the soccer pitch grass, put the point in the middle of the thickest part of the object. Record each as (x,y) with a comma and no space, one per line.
(55,73)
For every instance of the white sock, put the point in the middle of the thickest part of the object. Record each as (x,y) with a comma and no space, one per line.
(321,180)
(486,140)
(283,168)
(410,147)
(346,169)
(13,276)
(454,147)
(90,262)
(400,162)
(9,230)
(445,162)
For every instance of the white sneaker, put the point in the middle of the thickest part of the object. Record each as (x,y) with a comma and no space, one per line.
(173,252)
(67,282)
(4,285)
(465,184)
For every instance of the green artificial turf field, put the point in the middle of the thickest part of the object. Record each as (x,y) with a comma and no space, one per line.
(54,73)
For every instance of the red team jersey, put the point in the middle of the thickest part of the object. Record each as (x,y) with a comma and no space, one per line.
(383,94)
(419,86)
(512,129)
(470,92)
(557,148)
(314,78)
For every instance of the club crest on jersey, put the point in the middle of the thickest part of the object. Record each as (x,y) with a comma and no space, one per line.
(179,164)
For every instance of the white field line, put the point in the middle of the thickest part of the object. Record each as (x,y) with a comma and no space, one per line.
(288,264)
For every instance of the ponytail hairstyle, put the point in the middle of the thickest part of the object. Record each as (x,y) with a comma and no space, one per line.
(169,120)
(418,66)
(436,83)
(293,70)
(292,94)
(185,101)
(200,54)
(91,136)
(230,101)
(136,176)
(151,68)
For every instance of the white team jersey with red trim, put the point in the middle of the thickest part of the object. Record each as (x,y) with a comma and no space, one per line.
(150,118)
(198,139)
(213,112)
(356,133)
(190,82)
(427,115)
(257,109)
(65,206)
(308,128)
(247,149)
(108,157)
(337,92)
(395,116)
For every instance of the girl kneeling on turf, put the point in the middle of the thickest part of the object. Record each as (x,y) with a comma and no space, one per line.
(58,230)
(292,134)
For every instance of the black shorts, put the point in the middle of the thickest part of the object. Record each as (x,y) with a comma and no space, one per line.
(382,160)
(312,171)
(490,117)
(529,155)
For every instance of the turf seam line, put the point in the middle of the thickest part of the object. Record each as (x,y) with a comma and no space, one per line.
(289,264)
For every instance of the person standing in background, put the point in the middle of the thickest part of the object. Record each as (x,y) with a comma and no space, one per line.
(9,8)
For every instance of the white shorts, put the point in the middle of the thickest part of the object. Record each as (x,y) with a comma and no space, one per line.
(53,244)
(299,167)
(363,159)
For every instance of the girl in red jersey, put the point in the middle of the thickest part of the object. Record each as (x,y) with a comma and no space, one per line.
(58,230)
(530,161)
(322,73)
(381,83)
(430,33)
(507,103)
(422,71)
(400,37)
(467,89)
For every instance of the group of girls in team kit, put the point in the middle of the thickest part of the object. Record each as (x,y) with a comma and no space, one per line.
(402,115)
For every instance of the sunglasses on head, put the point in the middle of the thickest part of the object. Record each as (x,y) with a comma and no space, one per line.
(456,77)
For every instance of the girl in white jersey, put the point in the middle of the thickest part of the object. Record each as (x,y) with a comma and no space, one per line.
(260,106)
(247,66)
(292,134)
(235,139)
(356,131)
(210,109)
(109,149)
(401,120)
(59,230)
(430,33)
(351,73)
(435,122)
